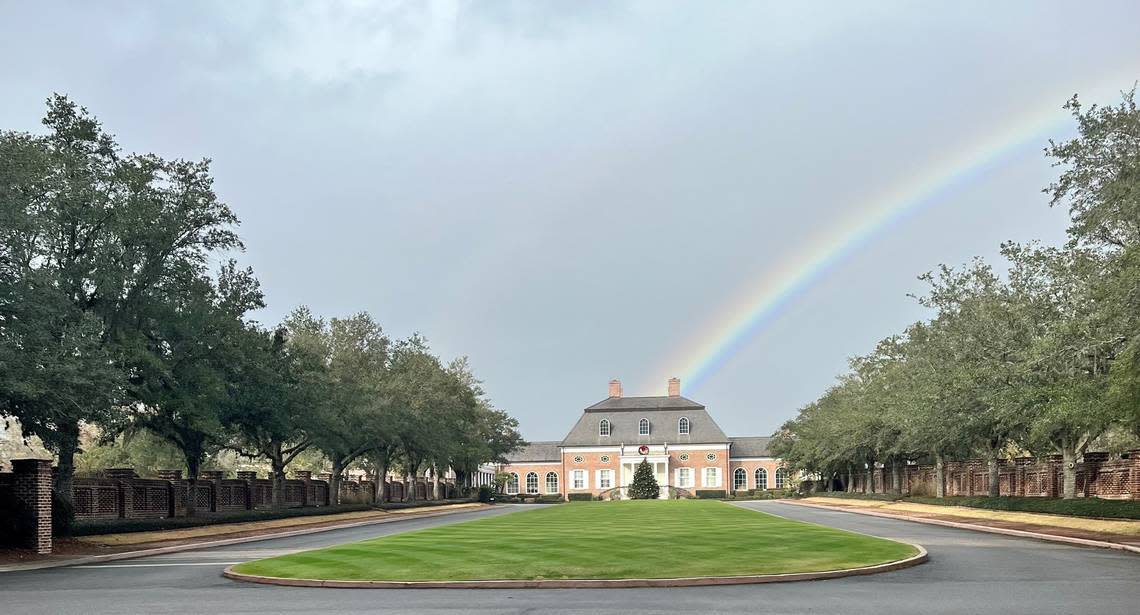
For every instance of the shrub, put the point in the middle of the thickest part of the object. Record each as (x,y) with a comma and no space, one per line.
(580,497)
(62,514)
(486,494)
(115,526)
(549,499)
(711,494)
(15,520)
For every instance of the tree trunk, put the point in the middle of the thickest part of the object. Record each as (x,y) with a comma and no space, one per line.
(334,481)
(382,480)
(870,486)
(994,475)
(850,479)
(896,484)
(193,465)
(939,476)
(68,447)
(435,483)
(1069,470)
(278,482)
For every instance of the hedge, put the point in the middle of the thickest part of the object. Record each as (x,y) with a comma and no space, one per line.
(710,494)
(116,526)
(1080,507)
(580,497)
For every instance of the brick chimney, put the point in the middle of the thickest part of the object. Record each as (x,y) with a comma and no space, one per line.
(615,388)
(674,387)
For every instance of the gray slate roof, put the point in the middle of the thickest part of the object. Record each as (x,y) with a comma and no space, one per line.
(749,447)
(536,451)
(624,414)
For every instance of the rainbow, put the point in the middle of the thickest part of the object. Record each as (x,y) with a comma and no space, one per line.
(765,301)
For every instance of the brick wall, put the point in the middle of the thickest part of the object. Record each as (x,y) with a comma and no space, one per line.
(1097,476)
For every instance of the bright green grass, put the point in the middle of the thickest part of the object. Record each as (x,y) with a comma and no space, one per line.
(600,540)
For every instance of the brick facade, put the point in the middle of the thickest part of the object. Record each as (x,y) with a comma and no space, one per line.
(31,484)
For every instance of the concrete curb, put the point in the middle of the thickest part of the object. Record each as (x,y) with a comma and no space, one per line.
(110,557)
(913,560)
(1082,542)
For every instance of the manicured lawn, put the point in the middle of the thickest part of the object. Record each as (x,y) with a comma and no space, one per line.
(594,540)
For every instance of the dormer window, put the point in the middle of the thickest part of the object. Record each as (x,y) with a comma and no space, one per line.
(643,427)
(604,428)
(683,427)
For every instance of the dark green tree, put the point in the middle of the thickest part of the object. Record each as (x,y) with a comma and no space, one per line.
(644,485)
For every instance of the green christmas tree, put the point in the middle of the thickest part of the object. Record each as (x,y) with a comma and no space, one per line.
(644,485)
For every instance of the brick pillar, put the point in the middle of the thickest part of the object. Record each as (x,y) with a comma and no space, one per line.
(248,477)
(212,480)
(1134,474)
(174,477)
(306,477)
(33,488)
(123,476)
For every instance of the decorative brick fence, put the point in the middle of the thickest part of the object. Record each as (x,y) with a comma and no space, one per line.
(1098,476)
(119,493)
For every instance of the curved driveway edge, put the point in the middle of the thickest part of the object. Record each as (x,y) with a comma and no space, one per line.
(913,560)
(225,542)
(1081,542)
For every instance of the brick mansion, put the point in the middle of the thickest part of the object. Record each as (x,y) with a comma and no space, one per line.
(680,440)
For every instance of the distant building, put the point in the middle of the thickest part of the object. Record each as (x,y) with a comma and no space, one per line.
(674,434)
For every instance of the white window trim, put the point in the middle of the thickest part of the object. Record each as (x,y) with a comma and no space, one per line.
(574,474)
(537,485)
(598,478)
(609,428)
(688,426)
(648,426)
(757,471)
(546,483)
(704,477)
(517,484)
(677,478)
(743,471)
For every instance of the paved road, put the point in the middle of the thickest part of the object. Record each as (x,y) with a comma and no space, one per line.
(969,572)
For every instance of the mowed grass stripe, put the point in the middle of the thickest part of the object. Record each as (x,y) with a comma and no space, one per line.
(595,540)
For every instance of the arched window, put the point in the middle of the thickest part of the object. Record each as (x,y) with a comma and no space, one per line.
(531,483)
(604,428)
(513,483)
(683,427)
(761,478)
(643,427)
(781,477)
(552,482)
(739,480)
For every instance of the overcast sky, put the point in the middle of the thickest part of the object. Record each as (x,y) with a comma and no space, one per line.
(569,192)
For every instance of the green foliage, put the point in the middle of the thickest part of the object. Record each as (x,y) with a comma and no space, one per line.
(644,485)
(1081,507)
(116,526)
(1040,358)
(711,494)
(486,493)
(580,497)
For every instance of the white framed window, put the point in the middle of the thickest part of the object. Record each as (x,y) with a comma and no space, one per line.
(685,477)
(643,427)
(605,479)
(711,477)
(513,484)
(552,482)
(683,427)
(761,478)
(532,483)
(578,479)
(740,480)
(781,478)
(604,428)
